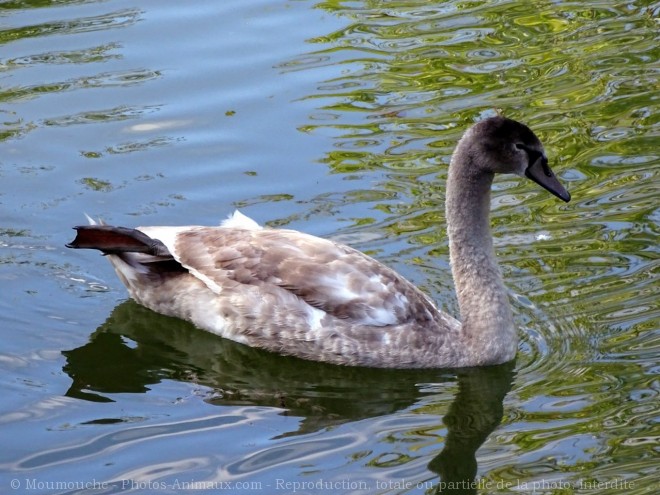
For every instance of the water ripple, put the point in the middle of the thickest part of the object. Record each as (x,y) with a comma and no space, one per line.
(127,436)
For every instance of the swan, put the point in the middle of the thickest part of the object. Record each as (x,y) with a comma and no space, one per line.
(300,295)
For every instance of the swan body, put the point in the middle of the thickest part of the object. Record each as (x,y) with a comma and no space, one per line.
(296,294)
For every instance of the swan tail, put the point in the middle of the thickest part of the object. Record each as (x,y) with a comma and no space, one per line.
(117,240)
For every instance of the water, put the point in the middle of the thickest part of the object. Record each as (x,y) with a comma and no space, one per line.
(336,118)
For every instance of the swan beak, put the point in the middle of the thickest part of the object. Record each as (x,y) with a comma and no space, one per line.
(542,174)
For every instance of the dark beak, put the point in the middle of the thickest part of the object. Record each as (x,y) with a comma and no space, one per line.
(540,172)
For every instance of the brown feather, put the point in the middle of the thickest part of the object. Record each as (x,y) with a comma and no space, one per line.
(112,240)
(339,280)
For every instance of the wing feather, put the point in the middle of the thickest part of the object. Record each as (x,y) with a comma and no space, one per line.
(337,279)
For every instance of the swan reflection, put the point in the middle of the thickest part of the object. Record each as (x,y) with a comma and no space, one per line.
(135,349)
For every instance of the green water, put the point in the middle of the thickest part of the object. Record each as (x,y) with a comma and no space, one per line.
(337,118)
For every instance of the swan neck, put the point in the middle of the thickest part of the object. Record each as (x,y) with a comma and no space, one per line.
(486,317)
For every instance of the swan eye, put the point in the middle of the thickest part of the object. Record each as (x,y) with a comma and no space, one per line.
(532,154)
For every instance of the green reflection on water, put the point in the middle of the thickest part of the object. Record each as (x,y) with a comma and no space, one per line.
(413,76)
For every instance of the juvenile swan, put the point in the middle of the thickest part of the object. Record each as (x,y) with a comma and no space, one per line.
(296,294)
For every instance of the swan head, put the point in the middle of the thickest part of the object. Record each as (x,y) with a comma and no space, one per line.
(504,146)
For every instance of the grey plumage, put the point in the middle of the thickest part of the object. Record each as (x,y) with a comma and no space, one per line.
(297,294)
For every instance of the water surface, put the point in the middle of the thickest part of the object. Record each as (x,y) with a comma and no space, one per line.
(337,118)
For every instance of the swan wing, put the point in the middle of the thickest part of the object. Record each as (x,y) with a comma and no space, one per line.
(334,278)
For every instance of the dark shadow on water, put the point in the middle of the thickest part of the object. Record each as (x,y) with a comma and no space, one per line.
(473,415)
(136,348)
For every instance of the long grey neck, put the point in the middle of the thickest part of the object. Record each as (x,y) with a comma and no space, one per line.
(487,322)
